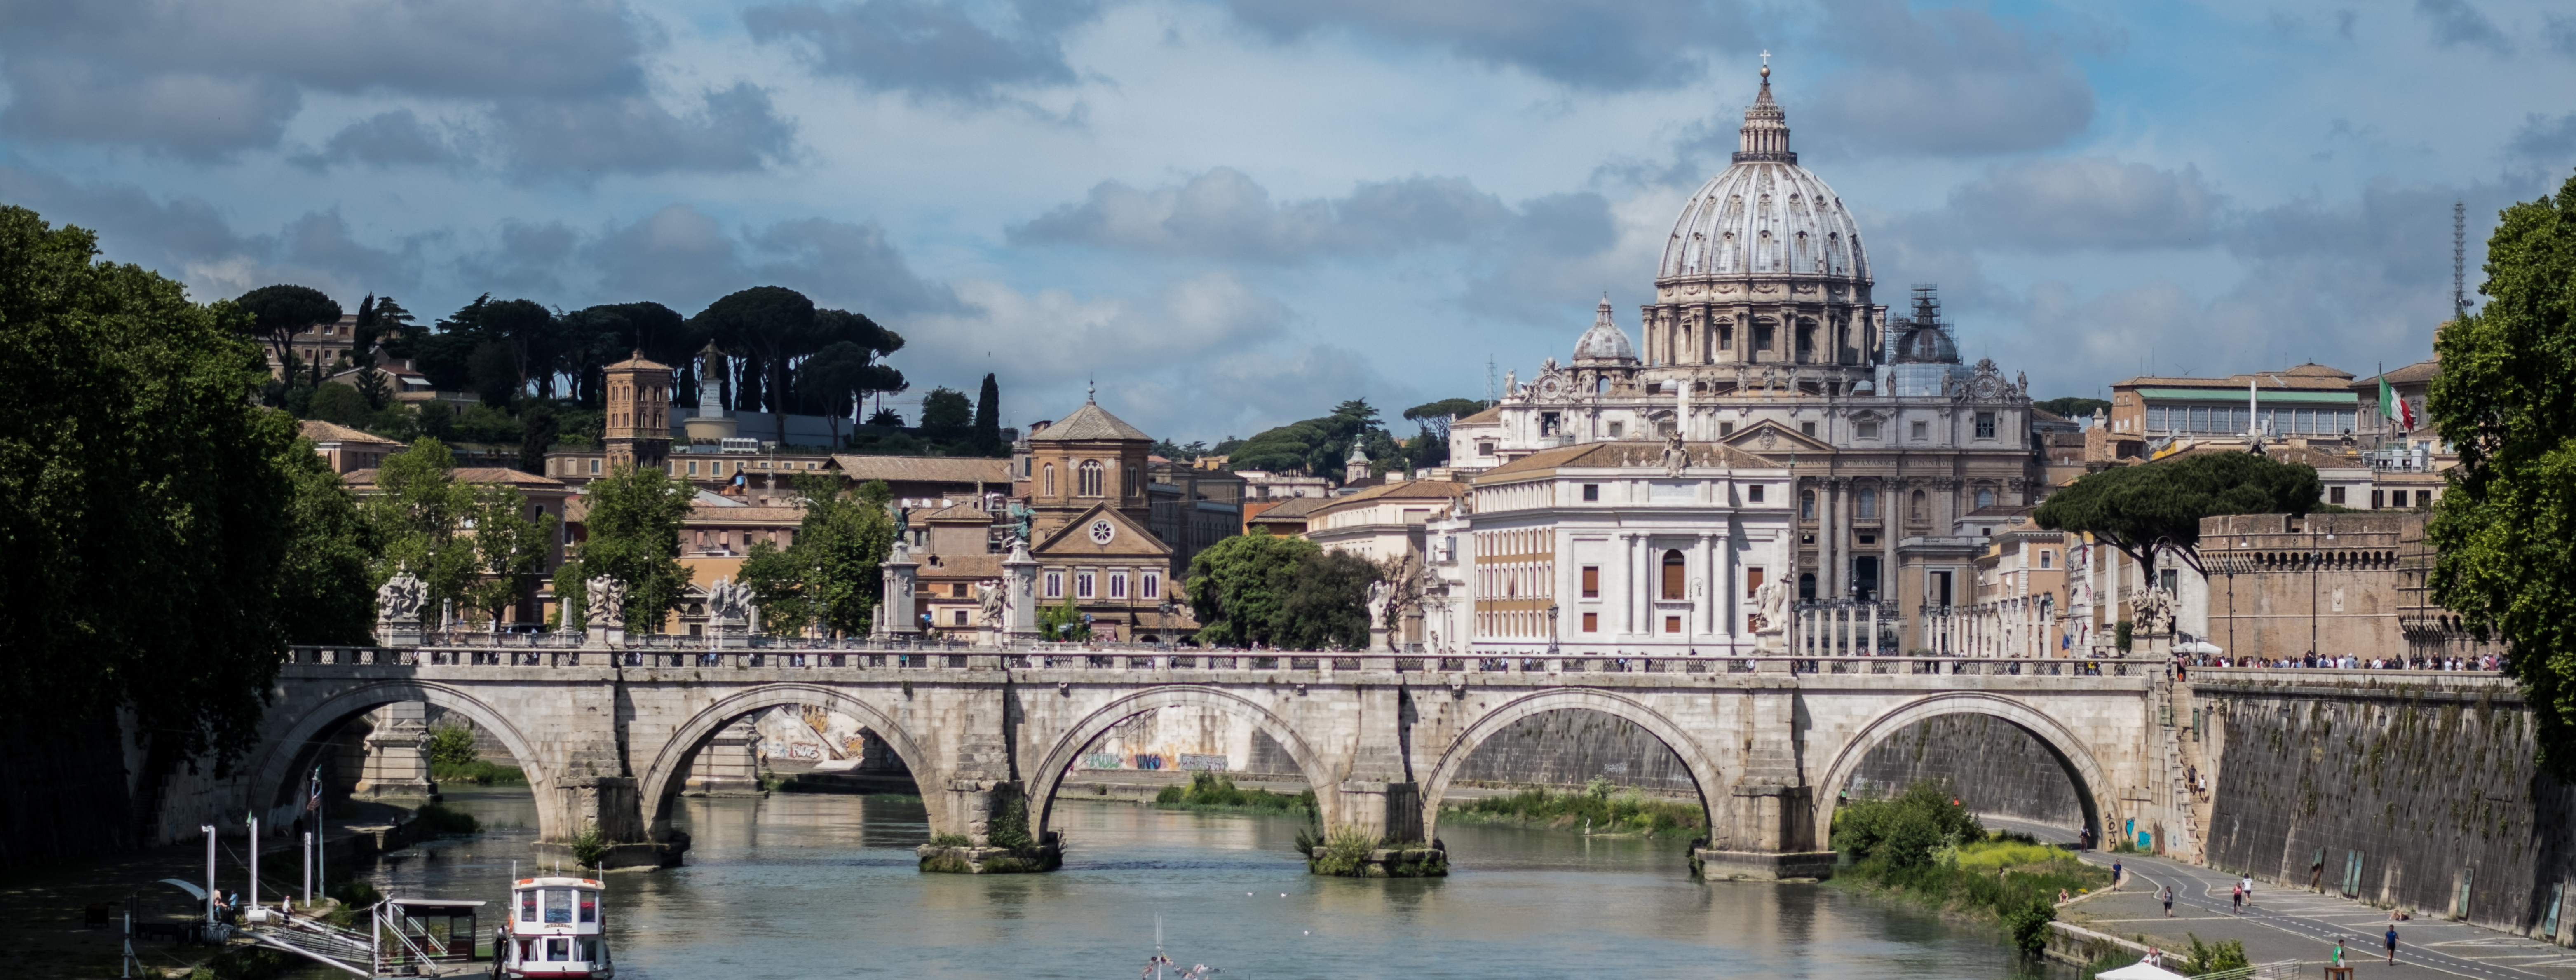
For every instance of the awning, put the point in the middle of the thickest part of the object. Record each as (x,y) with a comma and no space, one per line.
(2141,971)
(193,891)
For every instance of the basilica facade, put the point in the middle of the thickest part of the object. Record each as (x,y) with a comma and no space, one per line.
(1764,346)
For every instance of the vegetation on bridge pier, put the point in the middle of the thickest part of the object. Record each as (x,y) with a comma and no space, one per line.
(1598,809)
(1924,845)
(1215,791)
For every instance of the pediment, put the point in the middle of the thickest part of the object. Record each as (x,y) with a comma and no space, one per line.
(1073,540)
(1768,437)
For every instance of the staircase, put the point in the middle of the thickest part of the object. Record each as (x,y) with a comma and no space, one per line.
(2182,756)
(347,949)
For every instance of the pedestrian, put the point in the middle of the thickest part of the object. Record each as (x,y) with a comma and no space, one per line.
(2247,883)
(2166,893)
(2392,945)
(2337,958)
(2115,874)
(2236,900)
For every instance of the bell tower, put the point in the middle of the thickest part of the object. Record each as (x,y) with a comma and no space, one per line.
(638,427)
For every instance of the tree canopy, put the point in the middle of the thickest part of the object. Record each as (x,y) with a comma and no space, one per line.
(632,536)
(1317,445)
(828,577)
(2071,407)
(1281,592)
(150,507)
(2137,509)
(2506,529)
(278,313)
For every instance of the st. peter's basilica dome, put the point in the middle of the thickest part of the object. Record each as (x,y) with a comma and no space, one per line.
(1765,215)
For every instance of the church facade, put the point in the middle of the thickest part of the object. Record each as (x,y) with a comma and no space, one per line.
(1764,338)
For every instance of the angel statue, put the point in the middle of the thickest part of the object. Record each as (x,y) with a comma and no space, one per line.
(728,599)
(995,600)
(400,598)
(607,602)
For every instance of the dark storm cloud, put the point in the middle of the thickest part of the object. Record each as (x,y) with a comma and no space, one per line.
(530,259)
(1602,45)
(845,265)
(188,240)
(131,225)
(204,78)
(1952,81)
(735,130)
(924,48)
(384,139)
(2560,32)
(2544,140)
(2457,24)
(2085,202)
(1223,214)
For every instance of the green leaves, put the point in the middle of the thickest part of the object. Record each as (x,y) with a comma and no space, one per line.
(2136,508)
(830,576)
(2506,529)
(634,523)
(1281,592)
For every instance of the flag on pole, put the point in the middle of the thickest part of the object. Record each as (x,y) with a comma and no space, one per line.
(2394,407)
(313,796)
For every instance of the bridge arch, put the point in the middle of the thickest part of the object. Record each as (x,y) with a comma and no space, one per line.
(278,761)
(1704,769)
(661,780)
(1060,756)
(2073,754)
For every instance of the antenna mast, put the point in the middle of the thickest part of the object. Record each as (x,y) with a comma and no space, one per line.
(2459,259)
(1493,387)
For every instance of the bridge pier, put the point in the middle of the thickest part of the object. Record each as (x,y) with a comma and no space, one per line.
(610,812)
(1769,815)
(397,755)
(729,765)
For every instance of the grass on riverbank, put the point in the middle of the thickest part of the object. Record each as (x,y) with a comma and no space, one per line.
(1216,791)
(479,772)
(1924,846)
(1595,809)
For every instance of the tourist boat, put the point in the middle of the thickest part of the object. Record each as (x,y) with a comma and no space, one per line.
(553,931)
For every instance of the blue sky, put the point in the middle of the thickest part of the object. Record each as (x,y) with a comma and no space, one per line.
(1233,214)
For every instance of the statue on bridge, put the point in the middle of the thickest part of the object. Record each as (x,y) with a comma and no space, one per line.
(400,598)
(994,599)
(1771,603)
(729,600)
(605,603)
(2152,611)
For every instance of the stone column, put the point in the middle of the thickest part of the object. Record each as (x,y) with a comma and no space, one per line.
(1020,580)
(1829,544)
(1766,821)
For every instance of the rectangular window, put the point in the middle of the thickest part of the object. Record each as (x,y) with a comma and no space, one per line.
(2334,495)
(1921,431)
(558,950)
(1591,491)
(1672,624)
(1153,586)
(558,906)
(1592,622)
(1752,581)
(1985,425)
(1118,585)
(1591,582)
(2044,559)
(1755,494)
(2155,418)
(1807,429)
(1484,449)
(528,906)
(1866,430)
(1055,585)
(1725,429)
(1082,585)
(594,467)
(2378,499)
(693,467)
(961,617)
(589,905)
(1617,428)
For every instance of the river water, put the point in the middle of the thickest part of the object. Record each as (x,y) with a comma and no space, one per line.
(799,886)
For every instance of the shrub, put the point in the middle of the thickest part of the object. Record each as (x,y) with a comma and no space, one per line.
(1216,791)
(1623,813)
(2028,923)
(1907,830)
(1345,850)
(480,772)
(1010,826)
(591,846)
(2215,957)
(950,840)
(452,745)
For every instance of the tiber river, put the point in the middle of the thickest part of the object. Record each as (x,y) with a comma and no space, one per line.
(803,886)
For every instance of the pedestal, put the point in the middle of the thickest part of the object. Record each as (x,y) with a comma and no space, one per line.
(728,634)
(397,765)
(728,765)
(398,632)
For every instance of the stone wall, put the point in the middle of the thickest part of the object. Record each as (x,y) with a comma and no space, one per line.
(1569,748)
(1994,767)
(2421,786)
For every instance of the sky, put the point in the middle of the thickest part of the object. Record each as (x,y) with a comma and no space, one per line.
(1237,213)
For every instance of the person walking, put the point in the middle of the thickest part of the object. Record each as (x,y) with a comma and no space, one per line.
(2166,893)
(2336,958)
(2392,945)
(2236,900)
(2115,874)
(2247,883)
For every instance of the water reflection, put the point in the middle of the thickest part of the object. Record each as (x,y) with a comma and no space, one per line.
(798,886)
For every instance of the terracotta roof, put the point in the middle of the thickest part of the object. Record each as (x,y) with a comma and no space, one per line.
(1626,454)
(961,566)
(953,514)
(1293,507)
(1090,422)
(706,514)
(1486,417)
(1996,512)
(2416,373)
(925,469)
(1405,490)
(320,431)
(2305,377)
(471,474)
(637,361)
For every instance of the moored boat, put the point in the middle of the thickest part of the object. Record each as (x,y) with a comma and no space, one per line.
(553,930)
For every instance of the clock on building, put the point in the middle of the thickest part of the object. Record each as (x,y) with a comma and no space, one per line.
(1102,531)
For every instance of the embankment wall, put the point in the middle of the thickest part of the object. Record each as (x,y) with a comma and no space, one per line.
(2415,794)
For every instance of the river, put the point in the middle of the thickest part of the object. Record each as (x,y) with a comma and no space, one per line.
(801,886)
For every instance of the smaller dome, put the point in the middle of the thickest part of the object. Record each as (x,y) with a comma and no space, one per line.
(1605,341)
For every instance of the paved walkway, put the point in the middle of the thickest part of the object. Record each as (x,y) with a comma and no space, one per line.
(2289,924)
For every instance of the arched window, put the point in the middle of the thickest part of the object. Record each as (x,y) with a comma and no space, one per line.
(1674,571)
(1807,506)
(1915,510)
(1087,482)
(1868,507)
(1985,497)
(1050,480)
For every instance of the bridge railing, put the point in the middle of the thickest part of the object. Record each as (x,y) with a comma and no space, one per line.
(1132,658)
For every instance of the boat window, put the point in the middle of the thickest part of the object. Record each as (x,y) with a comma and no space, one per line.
(527,950)
(528,906)
(590,950)
(559,950)
(558,906)
(589,906)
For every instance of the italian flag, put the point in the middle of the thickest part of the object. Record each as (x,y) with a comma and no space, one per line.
(2394,407)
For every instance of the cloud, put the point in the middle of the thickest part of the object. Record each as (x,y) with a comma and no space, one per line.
(1600,45)
(1223,214)
(205,78)
(685,259)
(2561,34)
(2084,202)
(846,265)
(2544,140)
(736,130)
(532,258)
(924,48)
(385,139)
(1951,81)
(187,239)
(2456,24)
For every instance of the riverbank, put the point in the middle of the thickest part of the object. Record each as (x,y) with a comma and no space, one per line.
(1595,810)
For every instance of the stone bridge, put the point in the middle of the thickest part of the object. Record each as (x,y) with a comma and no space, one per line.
(609,737)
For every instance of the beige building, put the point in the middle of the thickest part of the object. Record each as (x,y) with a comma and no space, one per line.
(2283,585)
(1382,522)
(2020,591)
(347,449)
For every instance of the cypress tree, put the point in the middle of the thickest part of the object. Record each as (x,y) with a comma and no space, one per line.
(988,417)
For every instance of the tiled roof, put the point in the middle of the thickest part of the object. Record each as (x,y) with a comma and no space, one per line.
(1293,507)
(1405,490)
(320,431)
(1090,422)
(1486,417)
(924,469)
(1626,453)
(953,514)
(472,474)
(2307,377)
(637,361)
(2416,373)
